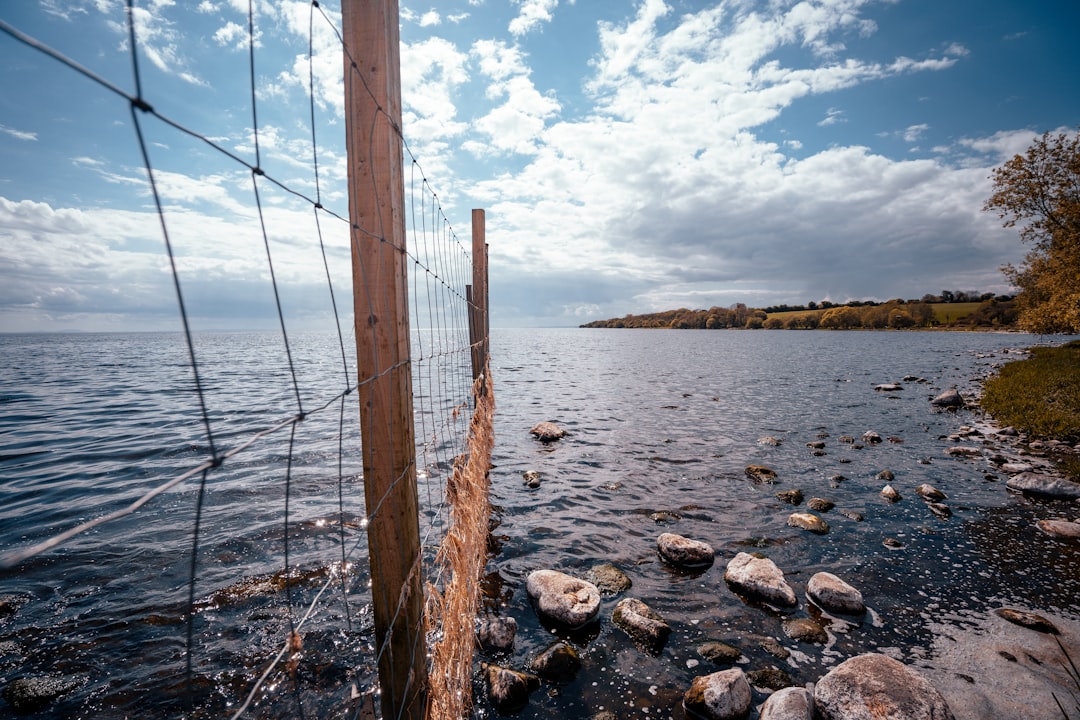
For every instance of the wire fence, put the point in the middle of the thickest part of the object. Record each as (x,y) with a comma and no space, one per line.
(220,564)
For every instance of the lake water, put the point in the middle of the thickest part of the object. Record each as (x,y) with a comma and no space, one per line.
(658,421)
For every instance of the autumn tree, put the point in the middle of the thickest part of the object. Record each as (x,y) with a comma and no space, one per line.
(1039,192)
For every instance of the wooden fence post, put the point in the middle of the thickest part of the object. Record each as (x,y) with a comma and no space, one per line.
(477,294)
(380,302)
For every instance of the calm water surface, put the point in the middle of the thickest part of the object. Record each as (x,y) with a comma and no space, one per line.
(658,421)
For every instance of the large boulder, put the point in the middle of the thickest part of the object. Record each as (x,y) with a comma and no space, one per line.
(874,687)
(793,703)
(646,627)
(760,578)
(723,695)
(832,594)
(563,599)
(684,552)
(1044,485)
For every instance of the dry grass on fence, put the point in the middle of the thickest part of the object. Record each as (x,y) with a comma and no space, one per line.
(450,615)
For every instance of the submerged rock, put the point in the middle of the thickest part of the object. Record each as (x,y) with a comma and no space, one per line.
(608,579)
(547,431)
(770,441)
(888,387)
(792,497)
(805,630)
(761,474)
(646,627)
(29,694)
(876,686)
(508,690)
(558,662)
(832,594)
(723,695)
(791,703)
(1044,486)
(808,521)
(684,552)
(820,504)
(871,437)
(719,653)
(940,510)
(886,476)
(563,599)
(770,678)
(1027,619)
(761,578)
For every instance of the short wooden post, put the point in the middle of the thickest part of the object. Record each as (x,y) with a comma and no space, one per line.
(380,302)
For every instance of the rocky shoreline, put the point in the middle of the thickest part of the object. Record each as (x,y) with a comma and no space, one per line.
(944,686)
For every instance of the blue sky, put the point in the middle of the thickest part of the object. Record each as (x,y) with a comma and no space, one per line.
(631,156)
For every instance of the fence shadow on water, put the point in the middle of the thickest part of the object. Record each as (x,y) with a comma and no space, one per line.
(201,547)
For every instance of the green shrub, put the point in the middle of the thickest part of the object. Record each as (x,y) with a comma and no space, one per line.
(1040,395)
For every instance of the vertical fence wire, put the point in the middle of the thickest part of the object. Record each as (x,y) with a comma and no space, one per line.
(304,521)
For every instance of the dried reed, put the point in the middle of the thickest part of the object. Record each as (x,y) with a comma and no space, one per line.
(450,614)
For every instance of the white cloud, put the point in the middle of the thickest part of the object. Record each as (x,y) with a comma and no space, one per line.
(832,117)
(18,134)
(531,15)
(430,19)
(914,132)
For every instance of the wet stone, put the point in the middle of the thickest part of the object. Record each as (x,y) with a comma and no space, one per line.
(928,492)
(774,648)
(1028,620)
(770,441)
(1059,528)
(770,678)
(761,474)
(684,552)
(852,515)
(497,634)
(886,476)
(508,690)
(808,521)
(805,630)
(877,686)
(646,627)
(663,516)
(719,653)
(558,662)
(820,504)
(29,694)
(608,579)
(832,594)
(871,437)
(563,599)
(723,695)
(791,703)
(547,432)
(531,478)
(890,493)
(792,497)
(1031,483)
(761,578)
(940,510)
(948,399)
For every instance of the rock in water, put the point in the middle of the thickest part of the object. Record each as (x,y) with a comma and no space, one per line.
(1044,486)
(805,630)
(559,662)
(889,493)
(1026,619)
(760,578)
(645,627)
(497,634)
(684,552)
(874,686)
(761,474)
(820,504)
(720,653)
(1060,528)
(531,478)
(791,497)
(508,690)
(609,579)
(28,694)
(566,600)
(948,399)
(929,492)
(793,703)
(724,695)
(547,431)
(832,594)
(808,521)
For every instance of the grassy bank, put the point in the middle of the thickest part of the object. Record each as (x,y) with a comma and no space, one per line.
(1040,395)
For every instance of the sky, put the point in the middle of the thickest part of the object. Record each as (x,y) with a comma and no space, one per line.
(631,156)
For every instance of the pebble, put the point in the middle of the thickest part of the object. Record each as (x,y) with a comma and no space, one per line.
(792,497)
(761,474)
(890,493)
(808,521)
(820,504)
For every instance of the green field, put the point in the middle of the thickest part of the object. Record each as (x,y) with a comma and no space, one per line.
(944,313)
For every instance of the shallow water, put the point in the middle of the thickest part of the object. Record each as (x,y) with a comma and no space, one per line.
(658,421)
(666,421)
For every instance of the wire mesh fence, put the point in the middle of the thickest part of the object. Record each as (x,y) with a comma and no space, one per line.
(187,513)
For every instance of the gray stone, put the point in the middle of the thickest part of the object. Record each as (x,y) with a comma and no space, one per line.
(608,579)
(684,552)
(563,599)
(928,492)
(770,440)
(761,578)
(949,399)
(497,634)
(873,686)
(808,521)
(646,627)
(760,474)
(888,387)
(723,695)
(547,431)
(793,703)
(531,478)
(508,690)
(871,437)
(890,493)
(886,476)
(963,451)
(939,509)
(1044,485)
(832,594)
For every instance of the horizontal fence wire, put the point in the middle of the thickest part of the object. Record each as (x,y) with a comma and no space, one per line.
(267,586)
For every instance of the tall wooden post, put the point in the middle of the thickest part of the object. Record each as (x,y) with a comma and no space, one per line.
(477,294)
(380,301)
